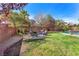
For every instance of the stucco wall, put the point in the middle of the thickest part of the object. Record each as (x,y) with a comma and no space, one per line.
(11,47)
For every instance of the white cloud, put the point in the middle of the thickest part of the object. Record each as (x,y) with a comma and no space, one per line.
(71,20)
(31,17)
(74,18)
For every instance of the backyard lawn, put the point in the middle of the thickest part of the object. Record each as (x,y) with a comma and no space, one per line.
(55,44)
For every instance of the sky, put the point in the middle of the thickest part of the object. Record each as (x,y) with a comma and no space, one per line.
(69,12)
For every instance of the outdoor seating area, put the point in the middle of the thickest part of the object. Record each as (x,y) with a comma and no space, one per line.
(35,35)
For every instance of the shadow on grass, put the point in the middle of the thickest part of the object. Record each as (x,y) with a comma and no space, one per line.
(33,40)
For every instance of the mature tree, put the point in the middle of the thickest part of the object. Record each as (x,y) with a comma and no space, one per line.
(6,7)
(40,18)
(46,21)
(16,18)
(49,23)
(60,25)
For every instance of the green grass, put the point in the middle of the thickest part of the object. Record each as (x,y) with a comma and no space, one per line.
(55,44)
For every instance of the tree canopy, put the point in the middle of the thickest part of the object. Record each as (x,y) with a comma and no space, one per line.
(6,7)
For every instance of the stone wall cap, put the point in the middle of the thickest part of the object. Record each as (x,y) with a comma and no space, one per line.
(7,43)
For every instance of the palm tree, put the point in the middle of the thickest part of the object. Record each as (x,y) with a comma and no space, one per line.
(19,19)
(13,18)
(24,20)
